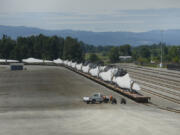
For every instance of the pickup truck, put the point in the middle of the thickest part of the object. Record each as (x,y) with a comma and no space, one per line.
(95,98)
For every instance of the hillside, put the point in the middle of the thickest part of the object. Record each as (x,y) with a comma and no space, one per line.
(170,37)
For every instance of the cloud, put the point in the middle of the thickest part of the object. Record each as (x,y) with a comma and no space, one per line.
(117,20)
(80,6)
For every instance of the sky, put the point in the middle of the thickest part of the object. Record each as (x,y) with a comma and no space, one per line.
(92,15)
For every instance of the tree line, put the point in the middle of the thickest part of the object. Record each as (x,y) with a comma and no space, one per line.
(41,47)
(50,48)
(147,53)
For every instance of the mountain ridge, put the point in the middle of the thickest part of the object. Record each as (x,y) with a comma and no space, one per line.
(170,37)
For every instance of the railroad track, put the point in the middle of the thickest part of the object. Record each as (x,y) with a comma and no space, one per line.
(163,90)
(160,73)
(162,96)
(157,94)
(142,78)
(163,79)
(163,72)
(156,71)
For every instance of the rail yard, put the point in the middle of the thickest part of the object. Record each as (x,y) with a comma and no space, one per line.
(161,84)
(48,99)
(84,67)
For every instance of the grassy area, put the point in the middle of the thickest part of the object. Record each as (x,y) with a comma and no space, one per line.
(155,65)
(102,57)
(106,61)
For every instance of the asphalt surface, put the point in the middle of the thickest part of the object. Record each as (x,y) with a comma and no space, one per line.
(41,87)
(47,100)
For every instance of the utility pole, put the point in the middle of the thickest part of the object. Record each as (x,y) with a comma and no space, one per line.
(161,64)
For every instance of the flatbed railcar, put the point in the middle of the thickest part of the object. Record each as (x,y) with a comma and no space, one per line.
(132,95)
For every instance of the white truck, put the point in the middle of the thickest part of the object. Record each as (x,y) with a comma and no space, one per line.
(95,98)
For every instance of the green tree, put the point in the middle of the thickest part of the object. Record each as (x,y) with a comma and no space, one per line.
(114,55)
(73,50)
(6,47)
(142,60)
(174,54)
(125,50)
(93,58)
(145,52)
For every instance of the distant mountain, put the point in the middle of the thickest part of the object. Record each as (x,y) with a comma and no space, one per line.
(170,37)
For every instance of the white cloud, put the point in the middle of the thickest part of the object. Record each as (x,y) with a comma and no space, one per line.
(87,6)
(99,22)
(98,15)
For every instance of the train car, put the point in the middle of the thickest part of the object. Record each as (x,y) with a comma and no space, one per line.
(110,76)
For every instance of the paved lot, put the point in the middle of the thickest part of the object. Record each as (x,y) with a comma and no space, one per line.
(48,100)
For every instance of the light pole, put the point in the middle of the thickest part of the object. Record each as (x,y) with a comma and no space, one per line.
(161,64)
